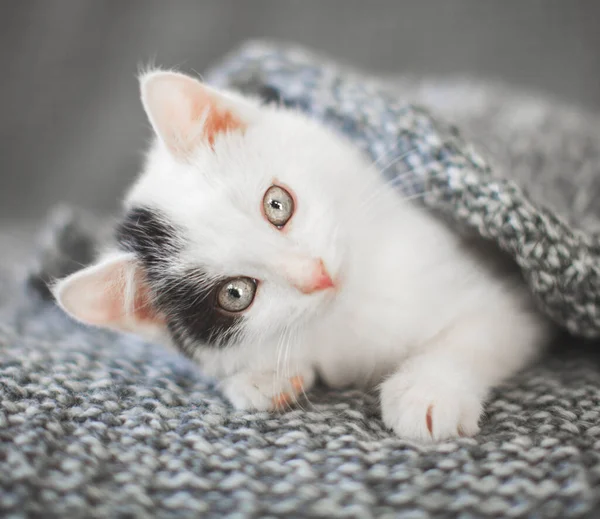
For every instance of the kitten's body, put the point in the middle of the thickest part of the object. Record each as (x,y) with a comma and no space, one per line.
(424,312)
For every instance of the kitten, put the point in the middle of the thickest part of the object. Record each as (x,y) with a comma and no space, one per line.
(270,250)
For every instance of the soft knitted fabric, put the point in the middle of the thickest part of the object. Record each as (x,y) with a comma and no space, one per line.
(96,424)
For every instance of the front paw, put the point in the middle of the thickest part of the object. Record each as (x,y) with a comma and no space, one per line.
(428,409)
(263,391)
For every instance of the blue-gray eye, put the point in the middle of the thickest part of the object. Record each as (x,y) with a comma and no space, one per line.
(236,294)
(278,206)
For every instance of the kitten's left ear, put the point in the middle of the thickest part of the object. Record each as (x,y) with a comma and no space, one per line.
(111,294)
(186,113)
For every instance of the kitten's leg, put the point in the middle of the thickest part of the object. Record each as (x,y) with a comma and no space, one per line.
(265,390)
(439,393)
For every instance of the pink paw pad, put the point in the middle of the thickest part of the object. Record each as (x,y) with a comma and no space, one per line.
(429,419)
(285,399)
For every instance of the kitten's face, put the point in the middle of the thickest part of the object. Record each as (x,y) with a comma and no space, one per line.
(238,220)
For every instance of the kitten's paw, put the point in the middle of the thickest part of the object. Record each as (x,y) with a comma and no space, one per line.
(264,392)
(428,409)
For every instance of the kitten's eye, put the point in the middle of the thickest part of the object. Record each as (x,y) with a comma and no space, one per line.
(236,294)
(278,206)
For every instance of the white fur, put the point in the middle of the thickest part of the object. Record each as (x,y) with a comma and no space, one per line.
(415,311)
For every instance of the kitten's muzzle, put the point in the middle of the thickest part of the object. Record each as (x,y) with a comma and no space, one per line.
(308,275)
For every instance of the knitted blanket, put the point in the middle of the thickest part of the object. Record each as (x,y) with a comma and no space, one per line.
(97,424)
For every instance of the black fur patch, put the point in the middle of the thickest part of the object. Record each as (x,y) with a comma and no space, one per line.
(150,236)
(188,302)
(194,313)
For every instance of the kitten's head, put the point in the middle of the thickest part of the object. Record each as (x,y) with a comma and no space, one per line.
(235,231)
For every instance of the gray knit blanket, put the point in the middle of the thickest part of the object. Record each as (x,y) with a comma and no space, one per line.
(97,424)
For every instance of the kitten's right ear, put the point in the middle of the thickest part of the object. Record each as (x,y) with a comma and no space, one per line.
(111,294)
(185,113)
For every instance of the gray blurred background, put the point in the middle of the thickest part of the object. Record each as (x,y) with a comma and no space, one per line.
(72,129)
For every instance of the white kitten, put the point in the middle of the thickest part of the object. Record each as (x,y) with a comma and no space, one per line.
(269,250)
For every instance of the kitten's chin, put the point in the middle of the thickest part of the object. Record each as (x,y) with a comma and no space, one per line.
(325,301)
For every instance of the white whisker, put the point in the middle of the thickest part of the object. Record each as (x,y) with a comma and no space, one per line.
(386,154)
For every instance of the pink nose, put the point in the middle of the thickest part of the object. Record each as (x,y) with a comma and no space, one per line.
(319,280)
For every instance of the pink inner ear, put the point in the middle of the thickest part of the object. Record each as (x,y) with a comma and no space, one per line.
(143,309)
(114,294)
(218,120)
